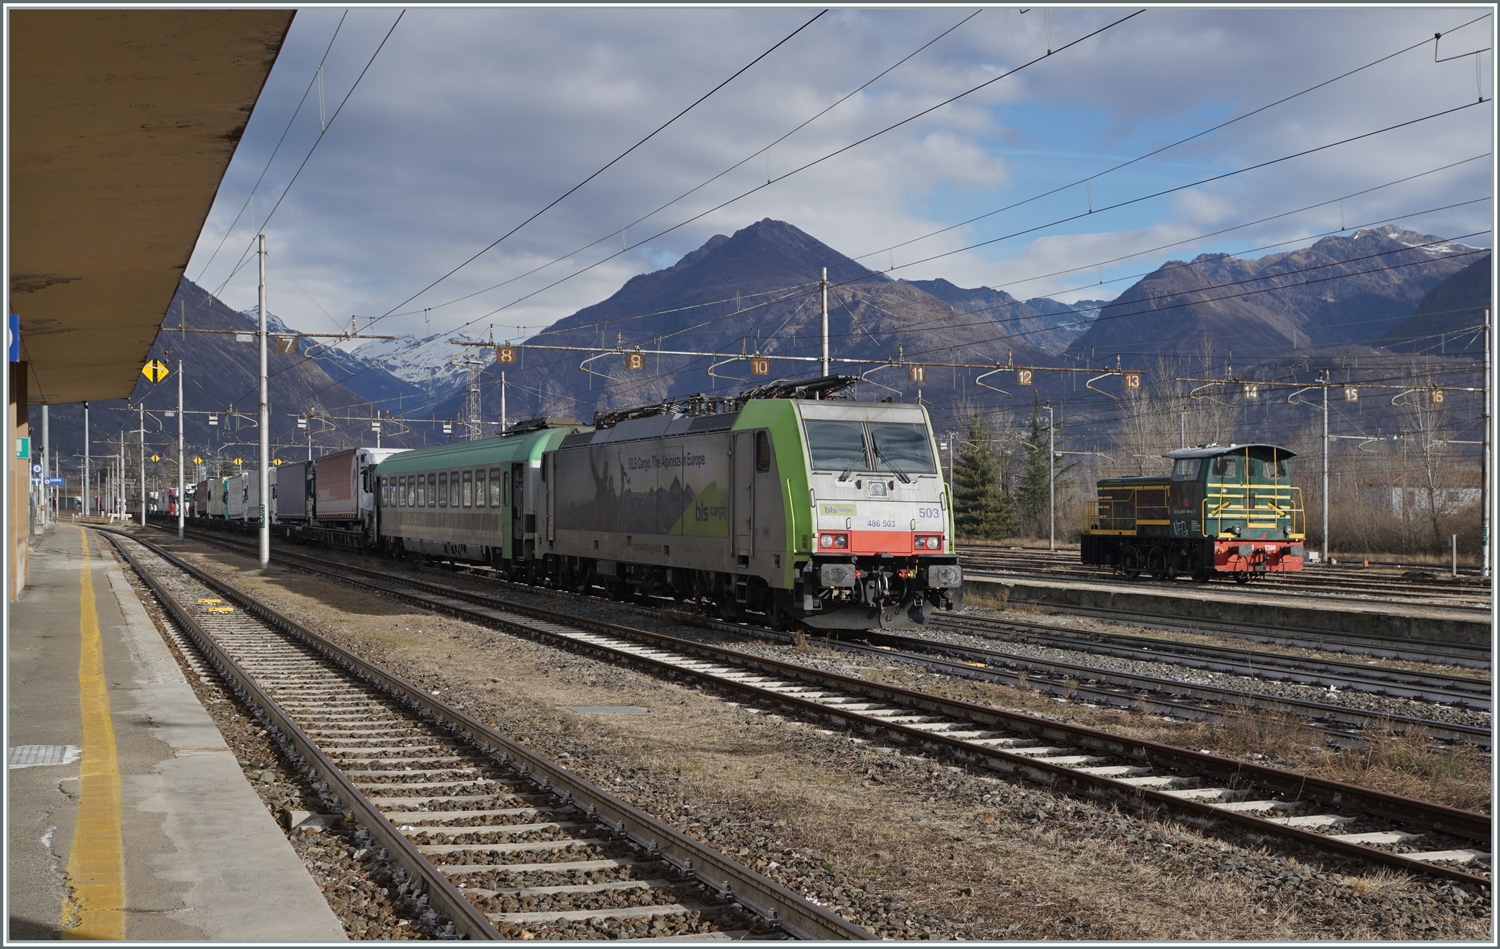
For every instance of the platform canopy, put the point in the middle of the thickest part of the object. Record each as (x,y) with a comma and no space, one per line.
(122,124)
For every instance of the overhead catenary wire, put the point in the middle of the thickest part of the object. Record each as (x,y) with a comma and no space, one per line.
(318,141)
(562,197)
(250,198)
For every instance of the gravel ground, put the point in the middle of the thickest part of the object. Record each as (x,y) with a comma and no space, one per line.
(908,847)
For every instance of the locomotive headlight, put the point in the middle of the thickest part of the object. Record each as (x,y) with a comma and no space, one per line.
(826,540)
(928,542)
(835,541)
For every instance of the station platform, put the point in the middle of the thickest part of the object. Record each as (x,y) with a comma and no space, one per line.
(129,817)
(1221,602)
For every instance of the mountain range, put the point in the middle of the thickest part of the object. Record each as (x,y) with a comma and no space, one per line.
(758,291)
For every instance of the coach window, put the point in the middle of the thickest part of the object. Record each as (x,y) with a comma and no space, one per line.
(405,491)
(479,488)
(468,489)
(453,489)
(495,485)
(443,489)
(432,490)
(762,451)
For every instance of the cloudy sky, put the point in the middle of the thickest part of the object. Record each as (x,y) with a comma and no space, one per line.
(470,121)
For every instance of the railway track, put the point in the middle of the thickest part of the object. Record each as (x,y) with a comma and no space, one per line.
(1442,688)
(1464,593)
(1257,802)
(499,840)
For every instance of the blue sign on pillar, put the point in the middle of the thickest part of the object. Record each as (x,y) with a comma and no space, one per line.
(13,337)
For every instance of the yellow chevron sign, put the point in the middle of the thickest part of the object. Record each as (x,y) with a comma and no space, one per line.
(154,370)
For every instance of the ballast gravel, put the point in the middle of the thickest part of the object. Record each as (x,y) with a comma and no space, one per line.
(906,846)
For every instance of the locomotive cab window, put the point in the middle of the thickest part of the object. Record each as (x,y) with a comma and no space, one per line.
(1186,469)
(479,495)
(837,446)
(468,489)
(495,486)
(762,451)
(903,447)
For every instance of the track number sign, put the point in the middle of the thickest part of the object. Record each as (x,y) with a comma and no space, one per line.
(760,366)
(1024,377)
(635,361)
(505,355)
(1132,380)
(916,373)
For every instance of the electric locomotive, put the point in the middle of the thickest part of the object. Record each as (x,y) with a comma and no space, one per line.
(783,501)
(1225,510)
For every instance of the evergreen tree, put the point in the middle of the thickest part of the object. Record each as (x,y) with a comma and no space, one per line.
(1031,486)
(980,510)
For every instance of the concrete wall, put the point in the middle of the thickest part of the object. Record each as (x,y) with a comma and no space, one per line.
(1202,603)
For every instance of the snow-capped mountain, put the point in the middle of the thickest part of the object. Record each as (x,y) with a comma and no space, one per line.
(426,363)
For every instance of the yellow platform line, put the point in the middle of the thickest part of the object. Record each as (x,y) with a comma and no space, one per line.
(95,907)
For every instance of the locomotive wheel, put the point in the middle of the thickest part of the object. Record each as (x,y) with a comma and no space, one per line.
(1156,560)
(1242,577)
(1201,575)
(1130,562)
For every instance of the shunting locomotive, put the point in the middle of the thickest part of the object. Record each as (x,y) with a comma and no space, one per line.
(1225,510)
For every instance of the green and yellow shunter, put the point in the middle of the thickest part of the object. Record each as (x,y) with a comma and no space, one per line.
(1225,509)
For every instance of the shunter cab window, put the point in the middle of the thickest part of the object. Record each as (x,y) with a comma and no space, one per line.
(836,446)
(468,489)
(1227,468)
(495,486)
(1186,469)
(902,446)
(479,495)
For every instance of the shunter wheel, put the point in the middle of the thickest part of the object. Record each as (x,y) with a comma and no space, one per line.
(1156,560)
(1130,562)
(1242,576)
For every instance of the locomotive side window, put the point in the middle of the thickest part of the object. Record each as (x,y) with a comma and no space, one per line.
(836,446)
(479,494)
(442,494)
(1186,469)
(762,451)
(468,489)
(495,485)
(902,446)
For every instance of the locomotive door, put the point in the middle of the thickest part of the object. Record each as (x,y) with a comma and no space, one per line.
(744,493)
(550,461)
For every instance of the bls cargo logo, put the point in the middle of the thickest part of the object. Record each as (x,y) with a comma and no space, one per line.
(709,512)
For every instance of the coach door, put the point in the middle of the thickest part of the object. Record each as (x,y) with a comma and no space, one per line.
(517,508)
(744,493)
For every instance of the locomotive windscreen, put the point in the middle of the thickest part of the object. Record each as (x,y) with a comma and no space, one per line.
(837,445)
(901,446)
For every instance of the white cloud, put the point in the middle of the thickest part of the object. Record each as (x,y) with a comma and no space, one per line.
(472,120)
